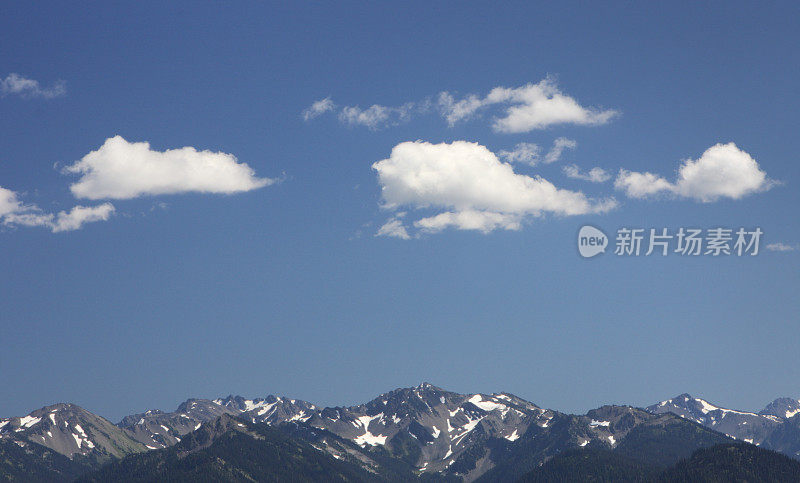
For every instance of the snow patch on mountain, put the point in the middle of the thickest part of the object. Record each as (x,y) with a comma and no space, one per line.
(368,438)
(486,405)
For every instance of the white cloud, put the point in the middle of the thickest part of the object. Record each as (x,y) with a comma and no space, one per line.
(15,84)
(471,187)
(454,111)
(9,203)
(482,221)
(318,108)
(532,106)
(15,213)
(34,217)
(376,116)
(529,107)
(722,171)
(594,175)
(79,215)
(783,247)
(393,228)
(641,185)
(373,117)
(524,153)
(121,170)
(559,145)
(530,154)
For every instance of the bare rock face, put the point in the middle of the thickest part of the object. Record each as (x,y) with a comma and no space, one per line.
(71,430)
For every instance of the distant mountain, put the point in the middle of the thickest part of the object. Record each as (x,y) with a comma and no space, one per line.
(230,450)
(272,409)
(237,450)
(423,430)
(157,429)
(655,441)
(424,426)
(71,431)
(783,407)
(431,428)
(775,427)
(742,425)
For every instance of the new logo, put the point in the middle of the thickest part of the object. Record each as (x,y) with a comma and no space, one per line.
(591,241)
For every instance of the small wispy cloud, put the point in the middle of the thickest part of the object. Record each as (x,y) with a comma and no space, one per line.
(15,84)
(522,109)
(318,108)
(529,107)
(394,228)
(531,154)
(374,117)
(558,148)
(80,215)
(594,175)
(14,212)
(523,153)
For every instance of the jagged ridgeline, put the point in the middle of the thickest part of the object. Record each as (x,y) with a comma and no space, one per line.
(421,432)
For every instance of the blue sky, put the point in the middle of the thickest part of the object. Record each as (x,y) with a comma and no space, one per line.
(248,263)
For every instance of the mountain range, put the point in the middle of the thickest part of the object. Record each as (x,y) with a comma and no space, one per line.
(423,431)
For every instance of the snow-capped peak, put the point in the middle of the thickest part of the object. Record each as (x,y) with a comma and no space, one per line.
(783,407)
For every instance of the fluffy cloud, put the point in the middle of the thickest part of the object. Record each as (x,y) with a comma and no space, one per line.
(530,154)
(121,170)
(782,247)
(594,175)
(471,187)
(723,171)
(532,106)
(318,108)
(15,84)
(14,213)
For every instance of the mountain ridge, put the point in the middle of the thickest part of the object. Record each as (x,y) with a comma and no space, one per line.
(427,428)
